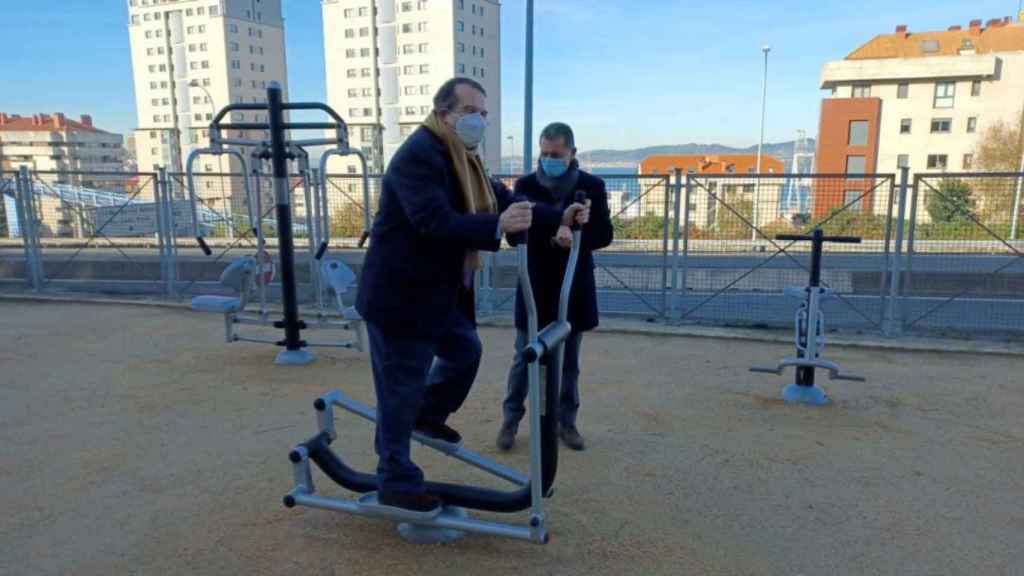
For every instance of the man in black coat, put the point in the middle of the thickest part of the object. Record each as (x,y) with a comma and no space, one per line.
(438,208)
(555,184)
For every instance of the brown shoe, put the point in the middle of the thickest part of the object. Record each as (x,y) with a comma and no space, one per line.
(571,437)
(414,502)
(507,436)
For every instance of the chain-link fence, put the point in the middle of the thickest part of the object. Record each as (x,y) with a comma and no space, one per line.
(965,259)
(941,253)
(734,269)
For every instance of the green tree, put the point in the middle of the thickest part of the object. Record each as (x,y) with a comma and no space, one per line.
(650,226)
(952,202)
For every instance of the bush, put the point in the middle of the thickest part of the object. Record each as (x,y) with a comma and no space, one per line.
(650,226)
(347,222)
(952,202)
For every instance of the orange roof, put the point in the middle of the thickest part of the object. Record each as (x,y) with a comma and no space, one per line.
(997,36)
(45,123)
(710,164)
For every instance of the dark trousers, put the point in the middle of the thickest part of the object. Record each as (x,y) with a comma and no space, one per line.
(417,380)
(569,395)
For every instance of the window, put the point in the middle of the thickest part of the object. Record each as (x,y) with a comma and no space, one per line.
(410,90)
(353,112)
(263,67)
(460,68)
(937,161)
(856,165)
(147,17)
(198,117)
(236,64)
(406,6)
(350,53)
(193,65)
(408,48)
(474,70)
(976,88)
(854,200)
(364,32)
(858,133)
(367,91)
(407,70)
(135,19)
(350,33)
(163,68)
(353,92)
(421,27)
(462,4)
(423,48)
(861,90)
(366,133)
(481,72)
(214,10)
(944,94)
(462,47)
(903,161)
(259,34)
(348,12)
(191,47)
(259,50)
(367,112)
(152,67)
(363,11)
(188,12)
(481,52)
(474,50)
(460,26)
(234,28)
(364,52)
(159,49)
(474,30)
(202,28)
(149,33)
(351,169)
(156,118)
(410,110)
(425,89)
(929,46)
(481,31)
(902,91)
(424,109)
(365,72)
(424,68)
(968,161)
(152,85)
(155,101)
(237,82)
(406,28)
(972,125)
(905,125)
(941,125)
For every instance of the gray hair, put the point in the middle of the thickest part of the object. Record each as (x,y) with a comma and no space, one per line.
(447,99)
(558,131)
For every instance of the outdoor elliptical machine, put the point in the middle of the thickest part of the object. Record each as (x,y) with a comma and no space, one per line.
(279,150)
(810,329)
(451,521)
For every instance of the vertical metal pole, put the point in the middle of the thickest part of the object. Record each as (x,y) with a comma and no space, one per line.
(893,326)
(760,143)
(22,214)
(30,233)
(887,254)
(286,248)
(528,104)
(160,209)
(805,374)
(677,192)
(1015,215)
(684,275)
(665,222)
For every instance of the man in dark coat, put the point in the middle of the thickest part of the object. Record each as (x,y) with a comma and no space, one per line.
(555,183)
(438,208)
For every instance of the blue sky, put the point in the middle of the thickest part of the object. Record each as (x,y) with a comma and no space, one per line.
(624,73)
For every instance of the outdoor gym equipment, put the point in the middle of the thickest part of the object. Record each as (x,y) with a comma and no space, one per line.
(810,329)
(326,274)
(452,520)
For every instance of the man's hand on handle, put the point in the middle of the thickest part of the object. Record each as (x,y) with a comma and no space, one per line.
(563,238)
(516,218)
(576,213)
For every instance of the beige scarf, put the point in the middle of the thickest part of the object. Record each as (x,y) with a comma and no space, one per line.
(477,194)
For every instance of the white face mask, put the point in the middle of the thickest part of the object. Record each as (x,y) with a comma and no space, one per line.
(470,129)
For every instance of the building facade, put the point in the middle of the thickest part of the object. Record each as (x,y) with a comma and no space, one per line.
(385,60)
(190,58)
(56,143)
(706,198)
(919,100)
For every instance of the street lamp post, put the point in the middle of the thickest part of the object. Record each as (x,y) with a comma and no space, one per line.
(528,107)
(512,147)
(760,143)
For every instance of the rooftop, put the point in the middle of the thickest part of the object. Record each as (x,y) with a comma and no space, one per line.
(45,122)
(996,35)
(710,163)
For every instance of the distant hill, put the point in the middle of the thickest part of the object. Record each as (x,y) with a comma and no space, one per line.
(781,150)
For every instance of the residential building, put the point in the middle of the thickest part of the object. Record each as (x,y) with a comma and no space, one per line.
(707,195)
(920,100)
(70,149)
(386,59)
(190,58)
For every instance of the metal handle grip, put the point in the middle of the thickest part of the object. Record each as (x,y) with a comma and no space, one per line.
(203,246)
(320,251)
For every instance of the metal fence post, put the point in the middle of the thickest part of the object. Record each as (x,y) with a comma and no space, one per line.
(22,214)
(677,192)
(30,232)
(893,325)
(665,220)
(163,203)
(172,235)
(686,246)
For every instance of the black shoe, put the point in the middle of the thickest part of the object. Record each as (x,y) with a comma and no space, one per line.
(441,432)
(507,436)
(414,502)
(571,437)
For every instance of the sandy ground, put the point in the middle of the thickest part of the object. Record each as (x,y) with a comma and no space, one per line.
(134,441)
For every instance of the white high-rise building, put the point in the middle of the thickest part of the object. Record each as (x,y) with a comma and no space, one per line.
(385,60)
(190,58)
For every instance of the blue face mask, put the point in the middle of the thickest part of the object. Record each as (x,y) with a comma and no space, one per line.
(470,129)
(554,167)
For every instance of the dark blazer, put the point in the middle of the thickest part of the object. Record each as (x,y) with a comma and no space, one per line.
(412,277)
(547,261)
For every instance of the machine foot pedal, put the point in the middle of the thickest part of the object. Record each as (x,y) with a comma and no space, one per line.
(809,395)
(369,503)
